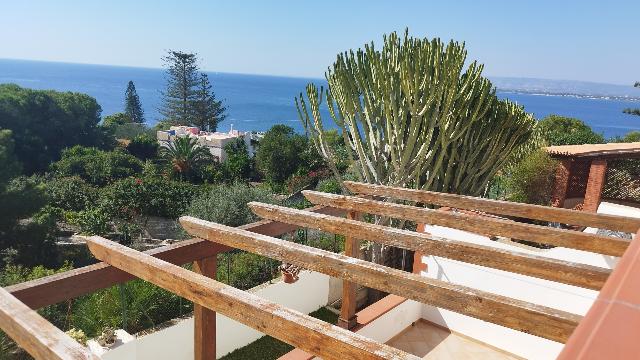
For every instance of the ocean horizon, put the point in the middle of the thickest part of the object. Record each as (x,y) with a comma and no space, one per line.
(257,102)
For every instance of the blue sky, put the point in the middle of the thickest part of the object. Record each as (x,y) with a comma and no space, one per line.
(576,40)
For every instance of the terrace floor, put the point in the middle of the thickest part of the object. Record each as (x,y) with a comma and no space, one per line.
(433,342)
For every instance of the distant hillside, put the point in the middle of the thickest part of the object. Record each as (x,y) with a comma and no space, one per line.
(566,88)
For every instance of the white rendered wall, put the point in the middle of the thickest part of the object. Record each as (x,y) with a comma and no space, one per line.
(176,342)
(393,322)
(539,291)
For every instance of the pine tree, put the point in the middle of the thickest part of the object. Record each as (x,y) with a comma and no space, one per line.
(180,93)
(133,108)
(208,112)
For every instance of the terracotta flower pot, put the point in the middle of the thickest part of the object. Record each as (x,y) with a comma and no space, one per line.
(289,278)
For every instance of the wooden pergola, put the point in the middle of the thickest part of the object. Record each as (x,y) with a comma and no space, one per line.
(161,267)
(582,170)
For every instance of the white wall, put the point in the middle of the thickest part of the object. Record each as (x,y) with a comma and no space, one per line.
(393,322)
(176,342)
(539,291)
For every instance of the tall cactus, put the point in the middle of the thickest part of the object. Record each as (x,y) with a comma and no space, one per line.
(413,116)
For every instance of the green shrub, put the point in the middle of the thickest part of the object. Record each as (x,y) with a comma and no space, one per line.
(130,131)
(57,314)
(244,270)
(153,196)
(280,153)
(116,119)
(96,166)
(145,305)
(238,166)
(143,147)
(227,204)
(329,185)
(93,221)
(70,193)
(44,122)
(27,230)
(560,130)
(532,180)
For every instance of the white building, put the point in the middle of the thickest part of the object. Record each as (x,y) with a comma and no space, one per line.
(214,141)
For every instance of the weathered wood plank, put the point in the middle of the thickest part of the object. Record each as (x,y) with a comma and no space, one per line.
(484,225)
(546,213)
(530,318)
(582,275)
(35,334)
(204,320)
(85,280)
(303,331)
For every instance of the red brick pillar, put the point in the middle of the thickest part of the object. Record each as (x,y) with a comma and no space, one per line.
(593,194)
(563,173)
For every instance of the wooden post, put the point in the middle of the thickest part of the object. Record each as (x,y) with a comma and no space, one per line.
(204,320)
(597,176)
(348,319)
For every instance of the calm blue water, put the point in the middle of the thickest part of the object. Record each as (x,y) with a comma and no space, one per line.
(257,102)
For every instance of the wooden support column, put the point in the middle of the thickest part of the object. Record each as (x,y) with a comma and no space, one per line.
(348,319)
(204,319)
(418,265)
(563,173)
(595,184)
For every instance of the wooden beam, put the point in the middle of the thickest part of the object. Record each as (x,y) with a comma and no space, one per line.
(85,280)
(77,282)
(290,326)
(582,275)
(204,320)
(348,319)
(538,320)
(35,334)
(546,213)
(483,225)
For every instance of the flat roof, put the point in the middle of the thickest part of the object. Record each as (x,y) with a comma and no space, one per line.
(595,150)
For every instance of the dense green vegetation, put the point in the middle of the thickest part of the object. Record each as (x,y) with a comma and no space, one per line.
(560,130)
(45,122)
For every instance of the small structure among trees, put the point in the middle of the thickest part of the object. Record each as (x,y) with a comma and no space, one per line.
(582,173)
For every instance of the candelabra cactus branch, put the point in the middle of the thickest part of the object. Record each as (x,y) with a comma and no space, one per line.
(412,115)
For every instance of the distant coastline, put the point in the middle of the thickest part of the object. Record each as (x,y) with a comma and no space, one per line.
(257,102)
(572,95)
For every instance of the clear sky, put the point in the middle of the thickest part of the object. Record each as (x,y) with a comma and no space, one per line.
(575,40)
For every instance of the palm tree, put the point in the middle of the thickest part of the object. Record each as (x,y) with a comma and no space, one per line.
(184,154)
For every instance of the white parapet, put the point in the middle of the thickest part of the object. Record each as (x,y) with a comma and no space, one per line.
(538,291)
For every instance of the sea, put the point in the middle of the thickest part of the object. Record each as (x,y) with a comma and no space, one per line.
(257,102)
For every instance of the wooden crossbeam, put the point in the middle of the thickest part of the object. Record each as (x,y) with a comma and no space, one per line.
(35,334)
(85,280)
(516,314)
(300,330)
(582,275)
(546,213)
(542,234)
